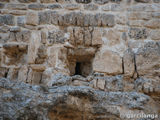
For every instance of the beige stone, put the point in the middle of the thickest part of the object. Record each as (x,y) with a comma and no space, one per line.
(97,37)
(153,23)
(23,73)
(13,74)
(101,84)
(107,62)
(148,60)
(155,34)
(129,63)
(32,18)
(33,46)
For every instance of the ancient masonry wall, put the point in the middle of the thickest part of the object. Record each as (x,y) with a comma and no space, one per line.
(116,38)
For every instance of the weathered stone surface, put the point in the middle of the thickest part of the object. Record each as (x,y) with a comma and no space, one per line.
(72,6)
(129,63)
(23,73)
(156,1)
(44,17)
(138,33)
(107,62)
(90,7)
(19,36)
(143,1)
(96,103)
(33,46)
(16,6)
(83,1)
(36,6)
(153,23)
(1,5)
(97,37)
(47,1)
(14,54)
(7,19)
(21,20)
(148,59)
(101,2)
(56,36)
(155,34)
(32,18)
(27,1)
(54,6)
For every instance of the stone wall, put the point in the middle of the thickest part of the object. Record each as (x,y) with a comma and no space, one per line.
(108,45)
(40,38)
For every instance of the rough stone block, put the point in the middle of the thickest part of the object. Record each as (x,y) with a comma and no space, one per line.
(47,1)
(148,59)
(14,54)
(153,23)
(90,7)
(107,62)
(44,17)
(142,1)
(7,19)
(155,34)
(101,2)
(32,18)
(54,6)
(36,6)
(83,1)
(27,1)
(17,6)
(138,33)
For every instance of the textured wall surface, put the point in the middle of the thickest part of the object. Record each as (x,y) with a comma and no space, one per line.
(108,45)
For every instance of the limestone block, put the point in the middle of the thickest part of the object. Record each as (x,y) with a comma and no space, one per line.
(79,35)
(54,6)
(23,73)
(112,37)
(33,46)
(7,19)
(108,62)
(21,20)
(88,36)
(72,6)
(17,6)
(14,54)
(142,1)
(27,1)
(56,36)
(101,84)
(101,2)
(44,17)
(32,18)
(97,37)
(148,59)
(90,7)
(139,15)
(83,1)
(107,20)
(57,58)
(13,74)
(129,63)
(155,34)
(153,23)
(138,33)
(47,1)
(36,6)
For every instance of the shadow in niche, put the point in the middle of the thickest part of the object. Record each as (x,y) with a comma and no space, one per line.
(78,69)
